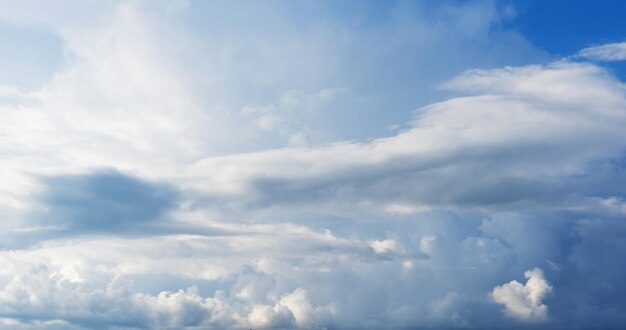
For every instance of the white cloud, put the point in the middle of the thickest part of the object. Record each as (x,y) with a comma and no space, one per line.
(524,301)
(386,246)
(271,272)
(302,236)
(520,125)
(49,295)
(124,99)
(608,52)
(265,316)
(404,209)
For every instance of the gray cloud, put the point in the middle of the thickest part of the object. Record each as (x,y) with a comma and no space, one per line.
(103,201)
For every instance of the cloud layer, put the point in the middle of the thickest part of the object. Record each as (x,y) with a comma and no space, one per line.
(163,178)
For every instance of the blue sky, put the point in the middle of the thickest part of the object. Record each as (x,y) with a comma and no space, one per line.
(560,28)
(312,165)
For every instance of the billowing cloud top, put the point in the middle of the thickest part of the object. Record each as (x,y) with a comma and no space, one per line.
(176,169)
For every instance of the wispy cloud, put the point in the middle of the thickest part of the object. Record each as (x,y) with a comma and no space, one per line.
(607,52)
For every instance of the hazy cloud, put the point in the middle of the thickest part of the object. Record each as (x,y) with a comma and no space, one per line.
(103,201)
(608,52)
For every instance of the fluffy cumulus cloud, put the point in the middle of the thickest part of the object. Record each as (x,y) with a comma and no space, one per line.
(524,301)
(179,172)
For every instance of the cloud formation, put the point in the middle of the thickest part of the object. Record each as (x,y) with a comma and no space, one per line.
(252,179)
(524,301)
(608,52)
(519,136)
(103,201)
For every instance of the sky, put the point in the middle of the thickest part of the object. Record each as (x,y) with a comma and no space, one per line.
(312,164)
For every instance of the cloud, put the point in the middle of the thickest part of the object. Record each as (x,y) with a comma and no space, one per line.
(524,301)
(103,201)
(131,64)
(128,64)
(247,190)
(607,52)
(511,140)
(50,296)
(432,218)
(280,275)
